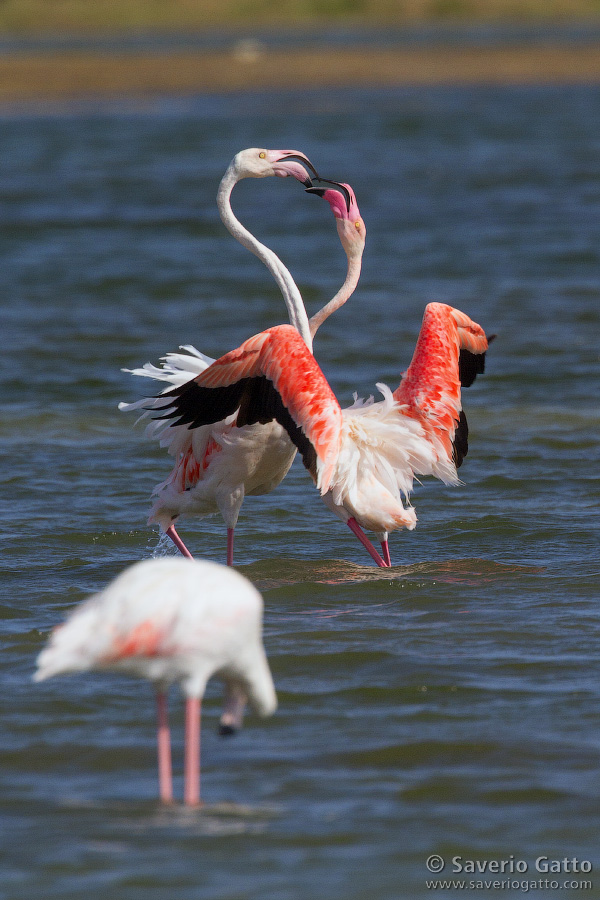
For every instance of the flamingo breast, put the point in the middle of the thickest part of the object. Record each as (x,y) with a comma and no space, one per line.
(232,462)
(382,449)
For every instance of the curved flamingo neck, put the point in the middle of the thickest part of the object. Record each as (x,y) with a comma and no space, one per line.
(287,285)
(344,293)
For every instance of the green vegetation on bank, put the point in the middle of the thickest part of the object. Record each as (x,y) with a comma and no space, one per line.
(36,16)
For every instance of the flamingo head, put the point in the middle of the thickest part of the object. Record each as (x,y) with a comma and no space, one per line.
(342,200)
(250,681)
(232,718)
(258,163)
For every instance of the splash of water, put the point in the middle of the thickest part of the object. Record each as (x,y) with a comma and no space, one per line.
(164,546)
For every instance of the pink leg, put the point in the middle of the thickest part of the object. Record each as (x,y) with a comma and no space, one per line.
(165,778)
(178,542)
(386,553)
(357,530)
(230,533)
(191,766)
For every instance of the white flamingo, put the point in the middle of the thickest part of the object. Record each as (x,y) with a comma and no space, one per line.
(172,620)
(218,465)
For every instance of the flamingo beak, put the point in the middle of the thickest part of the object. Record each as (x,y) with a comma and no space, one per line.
(288,162)
(233,714)
(226,730)
(339,198)
(337,186)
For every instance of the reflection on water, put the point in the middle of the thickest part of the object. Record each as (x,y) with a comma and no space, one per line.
(208,820)
(267,574)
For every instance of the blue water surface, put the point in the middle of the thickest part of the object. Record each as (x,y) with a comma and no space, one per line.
(449,706)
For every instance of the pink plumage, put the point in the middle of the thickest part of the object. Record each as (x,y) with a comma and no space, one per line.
(364,458)
(430,387)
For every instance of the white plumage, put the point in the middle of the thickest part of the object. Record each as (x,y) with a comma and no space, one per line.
(381,452)
(172,620)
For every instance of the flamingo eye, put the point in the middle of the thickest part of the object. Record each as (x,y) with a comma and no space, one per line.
(262,154)
(357,225)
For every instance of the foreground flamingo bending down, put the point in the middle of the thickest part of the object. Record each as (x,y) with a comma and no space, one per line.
(173,620)
(216,466)
(362,459)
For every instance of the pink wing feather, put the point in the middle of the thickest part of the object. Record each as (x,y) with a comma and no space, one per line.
(296,386)
(450,350)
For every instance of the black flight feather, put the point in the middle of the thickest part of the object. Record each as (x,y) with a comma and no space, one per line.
(256,400)
(470,365)
(460,444)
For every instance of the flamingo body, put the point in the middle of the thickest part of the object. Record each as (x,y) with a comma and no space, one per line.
(169,620)
(216,466)
(244,380)
(449,354)
(172,620)
(364,458)
(231,454)
(221,465)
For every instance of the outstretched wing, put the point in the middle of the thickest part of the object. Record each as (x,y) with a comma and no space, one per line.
(271,376)
(450,353)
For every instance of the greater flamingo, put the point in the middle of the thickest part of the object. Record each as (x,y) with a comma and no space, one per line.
(362,459)
(218,465)
(173,620)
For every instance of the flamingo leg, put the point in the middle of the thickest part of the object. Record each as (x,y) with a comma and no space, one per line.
(357,530)
(178,542)
(163,740)
(386,553)
(230,533)
(191,766)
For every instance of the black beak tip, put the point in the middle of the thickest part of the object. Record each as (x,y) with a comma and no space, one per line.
(227,730)
(315,190)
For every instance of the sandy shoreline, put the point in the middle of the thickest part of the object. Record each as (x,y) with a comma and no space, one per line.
(39,77)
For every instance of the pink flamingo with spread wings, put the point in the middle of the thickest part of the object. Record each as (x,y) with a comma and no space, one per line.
(363,459)
(173,621)
(218,464)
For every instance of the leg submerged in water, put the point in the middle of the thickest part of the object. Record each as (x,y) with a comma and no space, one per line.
(357,530)
(385,547)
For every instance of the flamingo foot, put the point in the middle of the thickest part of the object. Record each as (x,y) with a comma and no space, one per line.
(178,542)
(191,764)
(163,740)
(386,553)
(230,533)
(357,530)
